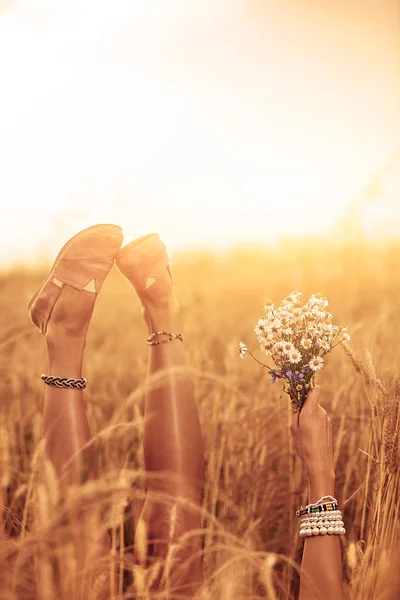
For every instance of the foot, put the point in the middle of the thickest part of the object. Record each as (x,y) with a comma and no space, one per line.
(160,306)
(145,263)
(67,296)
(67,330)
(71,315)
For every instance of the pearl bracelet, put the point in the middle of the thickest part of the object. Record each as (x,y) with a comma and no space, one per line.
(330,523)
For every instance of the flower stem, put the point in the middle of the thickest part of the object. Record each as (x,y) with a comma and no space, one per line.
(259,362)
(337,344)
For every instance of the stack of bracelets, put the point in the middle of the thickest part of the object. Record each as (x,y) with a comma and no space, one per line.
(321,518)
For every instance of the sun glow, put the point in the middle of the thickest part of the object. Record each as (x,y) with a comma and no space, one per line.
(206,123)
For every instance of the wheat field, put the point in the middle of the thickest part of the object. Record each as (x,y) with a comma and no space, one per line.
(254,482)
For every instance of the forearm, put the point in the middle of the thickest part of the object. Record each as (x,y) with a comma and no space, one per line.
(321,567)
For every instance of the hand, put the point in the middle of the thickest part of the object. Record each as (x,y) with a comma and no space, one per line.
(312,435)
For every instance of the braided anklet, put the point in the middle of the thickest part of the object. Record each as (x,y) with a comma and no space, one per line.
(170,336)
(65,382)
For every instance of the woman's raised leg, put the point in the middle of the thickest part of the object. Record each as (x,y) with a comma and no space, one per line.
(173,444)
(66,430)
(62,310)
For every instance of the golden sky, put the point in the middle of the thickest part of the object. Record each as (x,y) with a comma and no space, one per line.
(211,122)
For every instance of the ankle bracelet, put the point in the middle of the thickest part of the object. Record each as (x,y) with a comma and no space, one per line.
(151,341)
(65,382)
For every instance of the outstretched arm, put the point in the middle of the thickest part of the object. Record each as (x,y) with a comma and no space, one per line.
(321,567)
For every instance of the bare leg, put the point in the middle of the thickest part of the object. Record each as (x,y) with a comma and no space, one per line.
(172,443)
(65,426)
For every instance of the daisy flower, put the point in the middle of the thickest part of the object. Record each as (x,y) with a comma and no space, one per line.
(269,315)
(316,363)
(314,299)
(327,329)
(287,303)
(306,343)
(242,349)
(287,347)
(324,301)
(346,335)
(295,357)
(278,346)
(261,327)
(275,325)
(269,305)
(319,312)
(266,348)
(324,344)
(295,296)
(287,330)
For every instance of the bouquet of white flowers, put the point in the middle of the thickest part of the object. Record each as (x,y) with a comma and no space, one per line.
(297,338)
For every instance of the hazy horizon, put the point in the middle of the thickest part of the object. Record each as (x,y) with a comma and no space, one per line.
(212,124)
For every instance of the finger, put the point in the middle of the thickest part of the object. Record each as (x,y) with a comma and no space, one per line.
(312,400)
(295,417)
(330,436)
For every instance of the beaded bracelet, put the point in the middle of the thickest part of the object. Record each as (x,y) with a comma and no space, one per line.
(331,524)
(317,508)
(325,502)
(170,337)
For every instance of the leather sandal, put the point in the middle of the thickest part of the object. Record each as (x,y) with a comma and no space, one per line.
(83,263)
(144,261)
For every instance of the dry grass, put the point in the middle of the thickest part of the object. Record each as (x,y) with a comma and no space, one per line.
(254,483)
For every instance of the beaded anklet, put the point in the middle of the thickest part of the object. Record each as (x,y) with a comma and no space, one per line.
(65,382)
(170,336)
